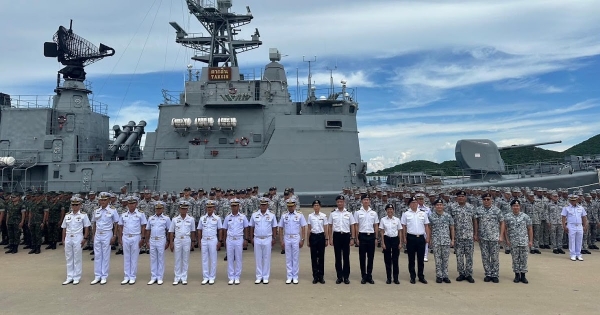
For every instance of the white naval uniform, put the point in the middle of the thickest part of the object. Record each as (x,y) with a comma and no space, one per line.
(182,229)
(158,225)
(292,224)
(574,220)
(235,225)
(74,223)
(263,236)
(104,220)
(210,226)
(131,224)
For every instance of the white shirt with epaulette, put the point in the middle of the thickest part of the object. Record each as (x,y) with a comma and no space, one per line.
(74,223)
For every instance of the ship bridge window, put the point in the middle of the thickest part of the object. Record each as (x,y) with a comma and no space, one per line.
(333,124)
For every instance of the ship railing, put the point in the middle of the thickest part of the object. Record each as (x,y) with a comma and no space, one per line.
(98,107)
(330,94)
(31,101)
(171,97)
(78,185)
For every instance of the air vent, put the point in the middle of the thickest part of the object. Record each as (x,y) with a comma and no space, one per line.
(333,124)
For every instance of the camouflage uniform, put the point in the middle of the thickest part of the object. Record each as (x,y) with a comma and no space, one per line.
(589,209)
(504,206)
(489,234)
(440,240)
(556,229)
(517,231)
(223,208)
(37,209)
(54,215)
(89,207)
(464,245)
(14,211)
(535,211)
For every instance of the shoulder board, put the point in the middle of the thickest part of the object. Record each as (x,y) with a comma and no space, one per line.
(299,212)
(82,212)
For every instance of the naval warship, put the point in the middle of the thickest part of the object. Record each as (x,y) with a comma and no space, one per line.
(224,130)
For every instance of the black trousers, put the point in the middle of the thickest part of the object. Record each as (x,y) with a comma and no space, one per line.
(341,250)
(317,254)
(366,253)
(415,245)
(390,256)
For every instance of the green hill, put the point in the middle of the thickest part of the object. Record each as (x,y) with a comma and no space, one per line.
(590,146)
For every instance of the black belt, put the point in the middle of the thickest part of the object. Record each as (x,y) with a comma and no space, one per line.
(414,235)
(317,233)
(341,232)
(367,234)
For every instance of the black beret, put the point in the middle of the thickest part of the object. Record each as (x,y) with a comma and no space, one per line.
(461,193)
(486,195)
(317,202)
(340,197)
(388,206)
(364,196)
(515,202)
(438,201)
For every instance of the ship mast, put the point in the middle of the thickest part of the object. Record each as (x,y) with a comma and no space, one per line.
(220,49)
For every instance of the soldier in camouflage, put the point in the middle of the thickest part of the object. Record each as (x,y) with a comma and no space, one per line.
(503,203)
(15,218)
(38,215)
(533,208)
(489,230)
(89,206)
(555,221)
(519,234)
(591,215)
(442,237)
(463,214)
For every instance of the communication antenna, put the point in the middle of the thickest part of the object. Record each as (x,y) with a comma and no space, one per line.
(309,70)
(331,78)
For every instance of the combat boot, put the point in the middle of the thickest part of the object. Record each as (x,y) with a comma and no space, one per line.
(49,246)
(54,245)
(523,279)
(507,251)
(517,278)
(38,249)
(560,251)
(15,249)
(27,247)
(32,251)
(10,249)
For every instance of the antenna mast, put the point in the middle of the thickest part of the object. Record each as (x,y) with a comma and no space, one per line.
(309,73)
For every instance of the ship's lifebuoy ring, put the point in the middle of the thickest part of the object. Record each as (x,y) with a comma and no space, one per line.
(244,141)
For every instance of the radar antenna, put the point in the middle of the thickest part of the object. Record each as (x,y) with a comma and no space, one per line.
(74,52)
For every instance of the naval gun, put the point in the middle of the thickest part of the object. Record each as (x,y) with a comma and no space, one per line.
(480,158)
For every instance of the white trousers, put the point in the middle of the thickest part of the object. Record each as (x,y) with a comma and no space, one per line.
(73,256)
(182,257)
(262,254)
(102,254)
(292,255)
(234,257)
(575,239)
(157,258)
(131,253)
(209,258)
(426,247)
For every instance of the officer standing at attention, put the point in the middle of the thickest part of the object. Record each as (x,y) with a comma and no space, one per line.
(209,232)
(415,226)
(133,230)
(15,218)
(391,243)
(519,235)
(341,224)
(236,237)
(292,230)
(263,226)
(317,236)
(463,214)
(156,240)
(367,223)
(489,229)
(575,223)
(75,233)
(442,238)
(182,228)
(104,225)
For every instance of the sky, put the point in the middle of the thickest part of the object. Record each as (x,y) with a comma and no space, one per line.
(427,73)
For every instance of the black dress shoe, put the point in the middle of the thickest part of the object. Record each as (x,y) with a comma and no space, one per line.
(412,281)
(192,249)
(347,281)
(438,280)
(388,281)
(560,251)
(523,279)
(225,259)
(363,281)
(314,281)
(338,281)
(119,252)
(446,280)
(371,281)
(245,248)
(406,251)
(507,251)
(397,281)
(282,251)
(423,281)
(321,280)
(532,251)
(495,280)
(517,278)
(460,278)
(555,251)
(487,279)
(470,279)
(92,253)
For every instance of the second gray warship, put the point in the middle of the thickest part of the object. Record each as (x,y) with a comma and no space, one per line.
(223,130)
